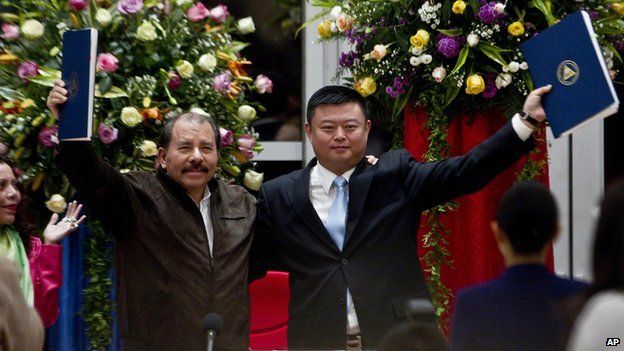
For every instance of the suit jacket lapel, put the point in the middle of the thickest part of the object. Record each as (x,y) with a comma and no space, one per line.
(359,183)
(299,194)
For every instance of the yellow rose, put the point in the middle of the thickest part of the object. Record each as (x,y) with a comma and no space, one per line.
(474,84)
(253,180)
(420,39)
(516,29)
(324,29)
(146,32)
(185,69)
(130,116)
(148,148)
(458,7)
(103,17)
(56,203)
(365,86)
(618,7)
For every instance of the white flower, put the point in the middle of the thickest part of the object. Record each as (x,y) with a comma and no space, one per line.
(415,61)
(246,25)
(181,3)
(426,59)
(503,80)
(130,116)
(336,11)
(32,29)
(417,52)
(103,17)
(472,40)
(500,8)
(199,111)
(146,32)
(439,73)
(524,66)
(514,66)
(379,52)
(207,62)
(246,113)
(56,203)
(185,69)
(253,180)
(148,148)
(333,27)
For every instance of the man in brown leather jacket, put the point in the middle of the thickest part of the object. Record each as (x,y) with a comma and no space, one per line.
(182,237)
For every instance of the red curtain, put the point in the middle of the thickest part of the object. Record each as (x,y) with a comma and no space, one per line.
(473,250)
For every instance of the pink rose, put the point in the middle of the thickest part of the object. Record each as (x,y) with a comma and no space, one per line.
(78,5)
(27,69)
(129,6)
(248,153)
(197,12)
(246,141)
(219,13)
(107,134)
(174,81)
(263,84)
(10,31)
(48,136)
(227,138)
(107,62)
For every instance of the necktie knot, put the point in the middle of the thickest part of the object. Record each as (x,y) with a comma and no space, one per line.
(340,182)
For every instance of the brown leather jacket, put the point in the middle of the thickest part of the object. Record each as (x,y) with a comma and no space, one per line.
(166,279)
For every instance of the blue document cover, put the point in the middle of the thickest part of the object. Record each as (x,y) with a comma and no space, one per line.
(568,57)
(78,73)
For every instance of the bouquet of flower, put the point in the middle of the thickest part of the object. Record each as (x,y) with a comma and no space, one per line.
(156,59)
(449,54)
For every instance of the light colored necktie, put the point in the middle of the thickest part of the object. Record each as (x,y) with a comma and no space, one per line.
(337,217)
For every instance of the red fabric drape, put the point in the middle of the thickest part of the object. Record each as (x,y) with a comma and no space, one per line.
(473,250)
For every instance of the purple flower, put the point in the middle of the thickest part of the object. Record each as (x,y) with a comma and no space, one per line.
(27,69)
(174,81)
(227,137)
(10,31)
(450,46)
(197,12)
(619,45)
(78,5)
(48,136)
(347,59)
(221,83)
(594,15)
(490,87)
(129,6)
(488,13)
(107,134)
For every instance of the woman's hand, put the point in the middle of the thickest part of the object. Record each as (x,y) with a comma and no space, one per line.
(56,231)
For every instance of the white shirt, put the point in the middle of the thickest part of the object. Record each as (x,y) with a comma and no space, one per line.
(601,318)
(322,194)
(204,208)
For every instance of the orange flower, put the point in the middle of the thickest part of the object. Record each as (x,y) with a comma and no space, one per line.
(236,67)
(151,113)
(8,57)
(11,107)
(209,29)
(234,90)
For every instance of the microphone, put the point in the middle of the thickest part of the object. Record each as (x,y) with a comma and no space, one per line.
(212,326)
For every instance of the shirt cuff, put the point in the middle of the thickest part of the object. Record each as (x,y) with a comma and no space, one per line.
(521,129)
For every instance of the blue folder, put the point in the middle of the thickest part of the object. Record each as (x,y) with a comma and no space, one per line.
(78,73)
(568,57)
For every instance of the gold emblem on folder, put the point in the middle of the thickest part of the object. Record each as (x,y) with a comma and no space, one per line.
(72,88)
(568,72)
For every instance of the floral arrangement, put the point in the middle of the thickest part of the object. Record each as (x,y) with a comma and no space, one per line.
(156,59)
(450,56)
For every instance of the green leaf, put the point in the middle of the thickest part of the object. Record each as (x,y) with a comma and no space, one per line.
(451,94)
(238,46)
(526,76)
(42,80)
(493,52)
(105,85)
(475,5)
(463,54)
(311,20)
(324,3)
(545,7)
(10,94)
(114,92)
(451,32)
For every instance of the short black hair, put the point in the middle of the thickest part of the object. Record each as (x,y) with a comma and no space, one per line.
(414,336)
(165,135)
(528,214)
(334,95)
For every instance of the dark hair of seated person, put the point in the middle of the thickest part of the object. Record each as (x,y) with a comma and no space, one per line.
(414,336)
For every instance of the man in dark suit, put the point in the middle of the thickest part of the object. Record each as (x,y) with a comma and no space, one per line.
(346,229)
(519,310)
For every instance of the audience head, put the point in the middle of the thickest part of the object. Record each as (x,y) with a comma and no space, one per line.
(189,151)
(338,126)
(414,336)
(10,194)
(526,220)
(608,255)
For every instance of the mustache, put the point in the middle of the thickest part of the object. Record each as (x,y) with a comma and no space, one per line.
(194,168)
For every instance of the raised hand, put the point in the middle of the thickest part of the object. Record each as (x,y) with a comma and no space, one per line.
(57,96)
(56,230)
(533,103)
